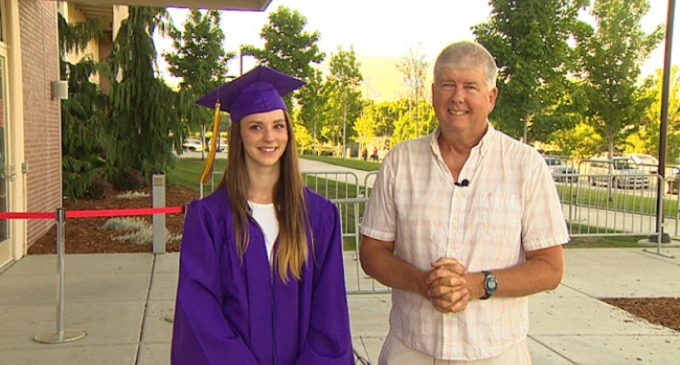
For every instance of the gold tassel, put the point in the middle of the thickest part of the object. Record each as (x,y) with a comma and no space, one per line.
(209,162)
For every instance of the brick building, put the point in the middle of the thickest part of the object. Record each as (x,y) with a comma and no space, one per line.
(30,120)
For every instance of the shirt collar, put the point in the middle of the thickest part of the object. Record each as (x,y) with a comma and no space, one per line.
(482,147)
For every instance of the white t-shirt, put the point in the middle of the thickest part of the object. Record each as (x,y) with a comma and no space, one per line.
(265,216)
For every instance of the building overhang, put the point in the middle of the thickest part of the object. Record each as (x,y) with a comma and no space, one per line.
(253,5)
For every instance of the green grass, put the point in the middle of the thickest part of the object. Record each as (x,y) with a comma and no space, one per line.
(329,188)
(187,170)
(351,163)
(332,189)
(620,241)
(622,201)
(604,242)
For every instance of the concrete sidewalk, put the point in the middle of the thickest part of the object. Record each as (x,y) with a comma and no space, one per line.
(125,304)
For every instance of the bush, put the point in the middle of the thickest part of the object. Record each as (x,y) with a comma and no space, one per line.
(99,188)
(130,179)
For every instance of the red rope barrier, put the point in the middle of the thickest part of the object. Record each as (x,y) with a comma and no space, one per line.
(91,213)
(121,212)
(39,215)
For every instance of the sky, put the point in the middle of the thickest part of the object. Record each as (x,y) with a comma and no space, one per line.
(381,28)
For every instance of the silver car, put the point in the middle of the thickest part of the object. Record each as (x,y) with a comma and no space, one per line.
(562,169)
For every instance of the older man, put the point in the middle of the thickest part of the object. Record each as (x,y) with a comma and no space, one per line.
(463,224)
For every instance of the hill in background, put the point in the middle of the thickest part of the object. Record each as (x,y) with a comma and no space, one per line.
(382,80)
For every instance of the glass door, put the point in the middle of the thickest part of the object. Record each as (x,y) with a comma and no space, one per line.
(6,170)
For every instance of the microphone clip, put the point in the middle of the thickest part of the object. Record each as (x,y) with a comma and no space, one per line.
(463,183)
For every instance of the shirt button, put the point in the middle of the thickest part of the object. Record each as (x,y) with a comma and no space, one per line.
(459,194)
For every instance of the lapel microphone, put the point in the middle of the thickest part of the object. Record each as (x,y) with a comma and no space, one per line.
(463,183)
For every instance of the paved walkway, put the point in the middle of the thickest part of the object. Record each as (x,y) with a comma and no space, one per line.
(125,304)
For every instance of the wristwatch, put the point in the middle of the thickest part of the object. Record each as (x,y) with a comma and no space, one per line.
(490,284)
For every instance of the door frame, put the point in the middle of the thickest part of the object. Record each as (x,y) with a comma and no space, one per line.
(10,48)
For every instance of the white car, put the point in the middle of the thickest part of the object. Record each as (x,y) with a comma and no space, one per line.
(644,161)
(220,144)
(192,144)
(621,173)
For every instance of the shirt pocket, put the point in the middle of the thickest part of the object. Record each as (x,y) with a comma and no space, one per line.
(495,228)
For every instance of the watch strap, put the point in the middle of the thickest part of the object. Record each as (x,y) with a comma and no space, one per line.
(487,293)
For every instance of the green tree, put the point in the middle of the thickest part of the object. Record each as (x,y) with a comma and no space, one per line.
(303,138)
(610,59)
(387,113)
(144,110)
(647,139)
(580,142)
(200,60)
(288,47)
(83,113)
(344,93)
(365,124)
(529,41)
(413,68)
(403,129)
(313,100)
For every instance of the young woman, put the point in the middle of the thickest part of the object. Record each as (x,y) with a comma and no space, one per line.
(261,278)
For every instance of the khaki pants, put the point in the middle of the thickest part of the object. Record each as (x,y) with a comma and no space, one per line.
(394,352)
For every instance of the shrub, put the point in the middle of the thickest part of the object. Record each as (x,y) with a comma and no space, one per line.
(131,195)
(130,179)
(124,224)
(99,188)
(137,230)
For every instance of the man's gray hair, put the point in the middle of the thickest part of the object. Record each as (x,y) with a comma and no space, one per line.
(468,54)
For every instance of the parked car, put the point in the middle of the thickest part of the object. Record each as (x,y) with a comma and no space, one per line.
(192,144)
(220,144)
(561,169)
(644,161)
(672,180)
(622,174)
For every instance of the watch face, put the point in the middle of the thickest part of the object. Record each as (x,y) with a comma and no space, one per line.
(490,283)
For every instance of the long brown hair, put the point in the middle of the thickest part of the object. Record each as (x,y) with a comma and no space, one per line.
(291,254)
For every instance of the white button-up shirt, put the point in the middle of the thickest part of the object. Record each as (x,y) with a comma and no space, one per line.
(510,206)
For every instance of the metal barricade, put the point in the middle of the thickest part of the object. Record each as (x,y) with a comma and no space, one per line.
(343,189)
(601,205)
(369,181)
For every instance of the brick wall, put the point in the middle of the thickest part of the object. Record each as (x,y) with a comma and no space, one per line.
(42,129)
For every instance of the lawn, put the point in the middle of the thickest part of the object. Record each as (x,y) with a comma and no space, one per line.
(621,200)
(351,163)
(187,170)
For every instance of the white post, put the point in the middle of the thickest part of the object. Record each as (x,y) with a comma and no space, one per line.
(158,192)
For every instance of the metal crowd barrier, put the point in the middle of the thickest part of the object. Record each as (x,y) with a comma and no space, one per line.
(594,205)
(343,189)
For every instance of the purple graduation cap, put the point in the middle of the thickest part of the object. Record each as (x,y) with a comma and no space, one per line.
(257,91)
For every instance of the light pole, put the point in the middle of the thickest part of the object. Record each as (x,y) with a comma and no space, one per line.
(240,60)
(661,237)
(344,123)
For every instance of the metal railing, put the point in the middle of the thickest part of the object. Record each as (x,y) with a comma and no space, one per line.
(593,205)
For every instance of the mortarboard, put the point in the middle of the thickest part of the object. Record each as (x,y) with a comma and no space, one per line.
(257,91)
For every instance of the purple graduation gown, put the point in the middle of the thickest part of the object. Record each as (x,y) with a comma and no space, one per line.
(227,310)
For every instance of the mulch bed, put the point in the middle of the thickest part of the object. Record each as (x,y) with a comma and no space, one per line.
(83,235)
